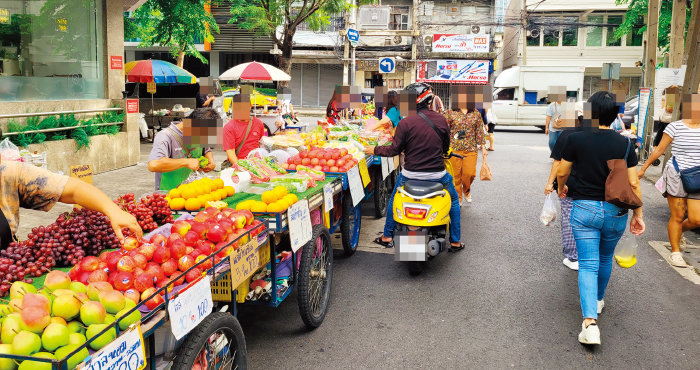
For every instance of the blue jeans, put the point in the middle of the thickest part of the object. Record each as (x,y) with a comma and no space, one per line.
(455,226)
(597,227)
(553,136)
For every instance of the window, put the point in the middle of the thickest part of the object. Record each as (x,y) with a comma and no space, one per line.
(634,38)
(550,36)
(594,34)
(506,94)
(52,50)
(569,32)
(610,39)
(534,32)
(398,18)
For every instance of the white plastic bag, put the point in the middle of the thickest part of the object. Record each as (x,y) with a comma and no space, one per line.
(9,151)
(549,210)
(626,251)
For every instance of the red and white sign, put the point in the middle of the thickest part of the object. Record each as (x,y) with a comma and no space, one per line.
(478,43)
(474,72)
(116,62)
(132,106)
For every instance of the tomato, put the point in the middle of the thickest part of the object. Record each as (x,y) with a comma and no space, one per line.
(343,152)
(330,162)
(318,168)
(322,162)
(297,160)
(304,154)
(340,162)
(347,157)
(334,169)
(335,155)
(305,161)
(327,155)
(292,167)
(314,161)
(326,169)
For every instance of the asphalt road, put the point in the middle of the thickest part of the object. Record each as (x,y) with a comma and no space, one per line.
(506,301)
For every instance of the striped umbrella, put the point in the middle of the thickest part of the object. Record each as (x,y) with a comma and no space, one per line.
(157,71)
(255,72)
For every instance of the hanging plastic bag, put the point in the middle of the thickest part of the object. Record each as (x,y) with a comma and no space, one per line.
(626,251)
(9,151)
(549,210)
(485,174)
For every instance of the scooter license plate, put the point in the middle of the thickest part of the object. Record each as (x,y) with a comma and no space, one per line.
(410,246)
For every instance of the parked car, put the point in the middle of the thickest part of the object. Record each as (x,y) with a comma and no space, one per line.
(631,111)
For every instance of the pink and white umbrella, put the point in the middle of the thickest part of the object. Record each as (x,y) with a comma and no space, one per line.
(255,72)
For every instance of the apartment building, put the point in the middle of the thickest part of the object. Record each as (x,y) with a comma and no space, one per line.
(575,33)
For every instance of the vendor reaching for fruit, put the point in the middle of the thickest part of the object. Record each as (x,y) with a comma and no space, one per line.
(243,133)
(172,160)
(28,186)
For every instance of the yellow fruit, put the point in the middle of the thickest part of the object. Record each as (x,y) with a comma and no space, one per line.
(218,184)
(229,190)
(202,200)
(189,193)
(280,191)
(269,197)
(215,195)
(258,207)
(177,204)
(292,197)
(246,204)
(175,193)
(193,204)
(222,193)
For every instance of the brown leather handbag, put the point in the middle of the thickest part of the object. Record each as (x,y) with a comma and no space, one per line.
(618,190)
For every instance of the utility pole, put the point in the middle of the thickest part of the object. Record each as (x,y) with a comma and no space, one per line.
(353,22)
(677,55)
(524,31)
(650,69)
(416,34)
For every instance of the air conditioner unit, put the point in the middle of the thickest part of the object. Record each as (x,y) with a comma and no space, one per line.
(374,17)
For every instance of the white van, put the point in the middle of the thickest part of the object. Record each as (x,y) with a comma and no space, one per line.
(520,93)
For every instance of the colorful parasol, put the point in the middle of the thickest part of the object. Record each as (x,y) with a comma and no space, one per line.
(158,71)
(255,72)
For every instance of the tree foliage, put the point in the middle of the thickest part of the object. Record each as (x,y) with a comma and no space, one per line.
(636,12)
(177,24)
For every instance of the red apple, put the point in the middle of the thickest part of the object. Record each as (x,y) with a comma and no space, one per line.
(200,229)
(157,272)
(180,227)
(147,250)
(178,249)
(89,263)
(113,259)
(97,275)
(126,263)
(103,256)
(74,272)
(169,267)
(201,216)
(216,234)
(133,252)
(132,294)
(138,271)
(228,211)
(193,274)
(248,216)
(158,240)
(140,260)
(225,252)
(173,237)
(130,243)
(154,302)
(123,280)
(211,210)
(180,279)
(165,282)
(143,282)
(207,264)
(227,224)
(190,238)
(103,266)
(204,246)
(185,262)
(162,254)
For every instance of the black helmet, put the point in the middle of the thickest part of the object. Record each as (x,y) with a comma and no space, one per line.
(424,94)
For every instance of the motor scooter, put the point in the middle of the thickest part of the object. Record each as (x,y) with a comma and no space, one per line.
(421,210)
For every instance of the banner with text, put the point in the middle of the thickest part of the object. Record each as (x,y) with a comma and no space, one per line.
(456,71)
(478,43)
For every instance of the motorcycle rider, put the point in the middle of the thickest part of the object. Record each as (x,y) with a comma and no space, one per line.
(423,137)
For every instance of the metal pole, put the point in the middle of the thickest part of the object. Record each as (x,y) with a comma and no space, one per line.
(353,22)
(352,66)
(650,72)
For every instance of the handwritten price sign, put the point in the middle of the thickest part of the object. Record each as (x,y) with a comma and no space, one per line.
(189,308)
(247,259)
(124,353)
(299,224)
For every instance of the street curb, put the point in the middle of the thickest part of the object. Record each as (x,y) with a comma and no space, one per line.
(690,273)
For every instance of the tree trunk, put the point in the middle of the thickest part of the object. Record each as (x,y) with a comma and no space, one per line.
(285,62)
(181,58)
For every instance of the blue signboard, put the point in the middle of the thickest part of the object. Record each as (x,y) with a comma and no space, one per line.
(387,65)
(353,36)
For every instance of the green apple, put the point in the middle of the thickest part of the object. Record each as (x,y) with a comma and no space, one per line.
(7,363)
(54,336)
(92,313)
(26,343)
(76,338)
(78,287)
(76,327)
(36,365)
(10,327)
(128,319)
(103,339)
(74,360)
(66,307)
(19,288)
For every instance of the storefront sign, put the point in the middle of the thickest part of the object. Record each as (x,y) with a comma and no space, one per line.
(132,106)
(61,25)
(458,71)
(151,87)
(247,259)
(478,43)
(5,16)
(125,352)
(643,111)
(82,172)
(357,191)
(190,307)
(299,224)
(116,62)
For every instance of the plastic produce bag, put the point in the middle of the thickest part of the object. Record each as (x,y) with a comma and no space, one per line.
(9,151)
(626,251)
(549,210)
(485,174)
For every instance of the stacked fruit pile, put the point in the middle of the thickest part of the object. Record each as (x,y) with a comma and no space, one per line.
(150,211)
(60,318)
(198,193)
(273,201)
(326,160)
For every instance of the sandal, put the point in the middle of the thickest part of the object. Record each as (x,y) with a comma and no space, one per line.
(490,149)
(384,244)
(454,249)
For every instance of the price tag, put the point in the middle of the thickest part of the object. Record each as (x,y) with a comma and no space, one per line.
(385,167)
(299,224)
(125,352)
(328,197)
(364,172)
(357,191)
(189,308)
(247,259)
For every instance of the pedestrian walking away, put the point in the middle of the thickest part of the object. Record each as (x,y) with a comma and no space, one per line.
(597,225)
(553,116)
(684,138)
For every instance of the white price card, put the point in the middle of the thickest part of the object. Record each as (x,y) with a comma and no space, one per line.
(357,190)
(328,197)
(299,224)
(126,352)
(190,307)
(385,167)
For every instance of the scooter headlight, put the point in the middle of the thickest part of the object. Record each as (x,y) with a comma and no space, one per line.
(432,216)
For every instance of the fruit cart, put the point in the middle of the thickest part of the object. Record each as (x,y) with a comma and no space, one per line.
(383,172)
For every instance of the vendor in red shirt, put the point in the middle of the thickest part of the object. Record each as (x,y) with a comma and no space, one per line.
(243,133)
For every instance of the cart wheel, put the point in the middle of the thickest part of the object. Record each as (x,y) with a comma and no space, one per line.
(416,267)
(315,273)
(216,343)
(350,224)
(381,197)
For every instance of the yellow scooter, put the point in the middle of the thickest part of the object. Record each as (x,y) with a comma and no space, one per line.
(422,213)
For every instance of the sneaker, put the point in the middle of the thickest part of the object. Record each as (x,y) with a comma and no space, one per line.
(683,243)
(469,198)
(590,334)
(571,264)
(677,260)
(601,304)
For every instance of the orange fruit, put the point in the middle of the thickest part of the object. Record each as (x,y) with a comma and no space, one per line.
(193,204)
(280,191)
(292,198)
(175,193)
(246,204)
(222,193)
(218,184)
(214,195)
(189,192)
(177,203)
(269,197)
(229,190)
(258,206)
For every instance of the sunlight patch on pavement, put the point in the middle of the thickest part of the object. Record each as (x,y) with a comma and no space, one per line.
(688,273)
(371,228)
(540,148)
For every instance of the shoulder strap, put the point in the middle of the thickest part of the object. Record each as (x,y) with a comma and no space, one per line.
(434,128)
(675,165)
(5,232)
(245,137)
